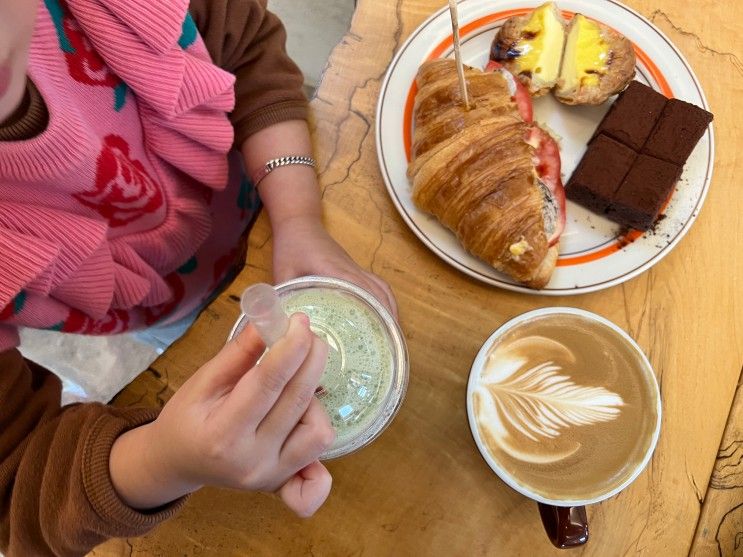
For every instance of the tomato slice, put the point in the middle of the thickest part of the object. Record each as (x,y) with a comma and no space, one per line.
(547,163)
(519,94)
(546,152)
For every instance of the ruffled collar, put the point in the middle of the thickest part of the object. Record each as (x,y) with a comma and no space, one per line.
(183,99)
(183,96)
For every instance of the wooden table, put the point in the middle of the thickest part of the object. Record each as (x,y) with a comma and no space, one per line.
(422,488)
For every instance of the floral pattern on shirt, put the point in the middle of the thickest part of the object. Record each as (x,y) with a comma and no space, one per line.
(123,190)
(84,63)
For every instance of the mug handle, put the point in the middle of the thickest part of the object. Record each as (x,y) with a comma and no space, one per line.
(565,526)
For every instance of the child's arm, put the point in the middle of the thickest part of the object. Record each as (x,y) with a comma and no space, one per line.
(56,495)
(72,477)
(291,195)
(237,424)
(269,119)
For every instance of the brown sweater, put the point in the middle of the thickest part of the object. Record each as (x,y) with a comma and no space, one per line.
(56,496)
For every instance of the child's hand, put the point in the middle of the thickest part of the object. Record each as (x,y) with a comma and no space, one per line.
(302,246)
(233,426)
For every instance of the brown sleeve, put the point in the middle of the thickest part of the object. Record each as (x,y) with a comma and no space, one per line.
(244,38)
(28,120)
(56,495)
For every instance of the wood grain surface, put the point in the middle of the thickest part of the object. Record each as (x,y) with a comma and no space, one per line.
(720,529)
(422,488)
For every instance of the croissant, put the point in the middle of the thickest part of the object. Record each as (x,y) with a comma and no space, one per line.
(475,171)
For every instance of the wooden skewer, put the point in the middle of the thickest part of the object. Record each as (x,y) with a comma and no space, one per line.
(457,54)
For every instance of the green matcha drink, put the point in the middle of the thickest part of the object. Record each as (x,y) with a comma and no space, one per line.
(358,376)
(366,373)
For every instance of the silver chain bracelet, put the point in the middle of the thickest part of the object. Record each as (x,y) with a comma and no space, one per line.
(273,164)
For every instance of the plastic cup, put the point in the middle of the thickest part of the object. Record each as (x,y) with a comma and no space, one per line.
(366,376)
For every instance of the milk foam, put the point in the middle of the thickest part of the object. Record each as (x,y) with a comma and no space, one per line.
(525,393)
(565,406)
(358,374)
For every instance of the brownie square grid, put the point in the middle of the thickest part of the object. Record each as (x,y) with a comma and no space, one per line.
(633,115)
(643,192)
(600,173)
(679,129)
(637,155)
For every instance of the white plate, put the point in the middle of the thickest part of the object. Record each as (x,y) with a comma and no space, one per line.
(593,255)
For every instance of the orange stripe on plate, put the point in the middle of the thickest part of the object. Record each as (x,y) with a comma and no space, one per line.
(627,239)
(654,71)
(623,241)
(477,24)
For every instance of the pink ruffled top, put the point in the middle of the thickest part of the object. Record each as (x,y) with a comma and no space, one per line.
(127,208)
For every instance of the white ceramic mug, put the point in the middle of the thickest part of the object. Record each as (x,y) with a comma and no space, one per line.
(564,520)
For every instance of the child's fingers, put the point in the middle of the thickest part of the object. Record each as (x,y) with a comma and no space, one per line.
(256,392)
(296,396)
(309,439)
(232,362)
(307,490)
(385,295)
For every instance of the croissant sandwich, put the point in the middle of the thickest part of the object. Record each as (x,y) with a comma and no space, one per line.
(488,173)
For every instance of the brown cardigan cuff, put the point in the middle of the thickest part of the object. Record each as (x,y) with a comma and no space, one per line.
(123,520)
(265,117)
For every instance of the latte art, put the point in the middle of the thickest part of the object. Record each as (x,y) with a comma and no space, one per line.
(518,399)
(565,406)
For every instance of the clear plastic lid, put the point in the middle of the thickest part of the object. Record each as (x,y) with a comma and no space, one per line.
(366,374)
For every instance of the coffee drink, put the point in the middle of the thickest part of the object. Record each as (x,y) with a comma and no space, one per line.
(565,406)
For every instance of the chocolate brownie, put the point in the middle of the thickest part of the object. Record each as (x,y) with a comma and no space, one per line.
(680,127)
(599,173)
(643,192)
(633,115)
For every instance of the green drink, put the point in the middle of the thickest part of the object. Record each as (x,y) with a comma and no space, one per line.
(366,372)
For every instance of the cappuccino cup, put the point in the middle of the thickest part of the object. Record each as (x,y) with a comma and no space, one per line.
(565,408)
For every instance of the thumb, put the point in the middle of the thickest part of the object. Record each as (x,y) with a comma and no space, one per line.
(233,361)
(307,490)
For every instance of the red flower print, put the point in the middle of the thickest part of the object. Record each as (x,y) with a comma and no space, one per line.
(85,65)
(14,307)
(123,190)
(7,311)
(115,321)
(76,322)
